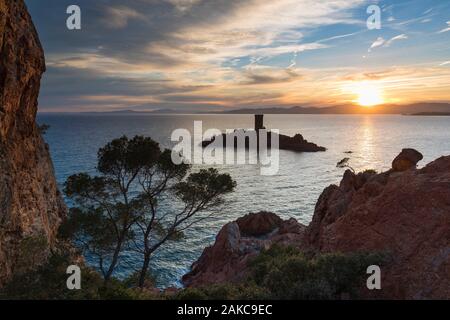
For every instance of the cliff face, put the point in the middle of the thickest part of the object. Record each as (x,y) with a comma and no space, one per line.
(404,212)
(30,205)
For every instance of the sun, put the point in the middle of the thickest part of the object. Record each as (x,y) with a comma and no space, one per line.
(369,95)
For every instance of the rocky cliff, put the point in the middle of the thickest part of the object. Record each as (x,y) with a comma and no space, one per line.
(404,212)
(30,205)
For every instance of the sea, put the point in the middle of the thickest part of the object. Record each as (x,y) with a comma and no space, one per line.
(369,141)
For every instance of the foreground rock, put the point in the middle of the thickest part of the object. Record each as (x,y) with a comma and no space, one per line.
(406,160)
(30,205)
(237,243)
(404,214)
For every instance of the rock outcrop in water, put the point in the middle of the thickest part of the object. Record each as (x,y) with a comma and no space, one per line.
(296,143)
(405,214)
(30,205)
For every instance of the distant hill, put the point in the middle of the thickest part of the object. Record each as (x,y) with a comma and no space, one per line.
(431,114)
(418,109)
(130,111)
(415,108)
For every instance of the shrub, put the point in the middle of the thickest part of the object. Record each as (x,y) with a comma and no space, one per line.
(286,273)
(48,282)
(244,291)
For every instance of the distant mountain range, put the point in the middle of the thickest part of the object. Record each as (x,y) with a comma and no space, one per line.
(419,109)
(410,109)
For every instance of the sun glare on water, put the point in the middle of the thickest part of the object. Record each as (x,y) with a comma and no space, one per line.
(369,95)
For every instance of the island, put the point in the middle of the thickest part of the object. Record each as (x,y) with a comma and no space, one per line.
(296,143)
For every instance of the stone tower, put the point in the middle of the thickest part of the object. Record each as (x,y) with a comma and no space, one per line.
(259,122)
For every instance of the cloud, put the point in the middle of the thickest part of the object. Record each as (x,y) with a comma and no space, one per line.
(446,29)
(381,42)
(199,54)
(118,17)
(339,36)
(183,5)
(377,43)
(396,38)
(255,77)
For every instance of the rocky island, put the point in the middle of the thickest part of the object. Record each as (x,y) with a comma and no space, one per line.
(296,143)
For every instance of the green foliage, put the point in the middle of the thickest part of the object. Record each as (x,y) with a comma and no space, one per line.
(43,128)
(247,291)
(277,273)
(288,274)
(344,163)
(206,183)
(31,250)
(124,156)
(48,282)
(132,280)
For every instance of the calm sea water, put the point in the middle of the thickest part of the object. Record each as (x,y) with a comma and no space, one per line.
(293,192)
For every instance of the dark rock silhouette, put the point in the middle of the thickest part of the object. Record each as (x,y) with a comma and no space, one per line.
(30,205)
(296,143)
(257,224)
(406,160)
(403,214)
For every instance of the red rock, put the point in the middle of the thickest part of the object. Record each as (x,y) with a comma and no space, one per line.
(227,259)
(257,224)
(405,214)
(406,160)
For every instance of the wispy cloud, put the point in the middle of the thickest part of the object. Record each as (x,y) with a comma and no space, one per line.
(396,38)
(381,42)
(118,17)
(445,29)
(377,43)
(183,5)
(270,76)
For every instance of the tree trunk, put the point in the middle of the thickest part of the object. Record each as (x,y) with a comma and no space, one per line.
(144,270)
(114,261)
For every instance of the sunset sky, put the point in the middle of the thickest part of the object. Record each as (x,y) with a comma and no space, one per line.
(200,55)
